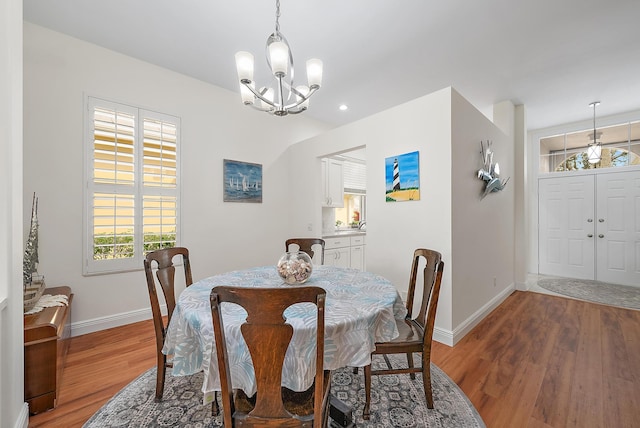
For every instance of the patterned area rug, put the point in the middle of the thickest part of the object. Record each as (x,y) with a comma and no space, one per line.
(396,401)
(594,291)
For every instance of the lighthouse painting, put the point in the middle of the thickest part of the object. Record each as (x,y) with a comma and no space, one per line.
(402,174)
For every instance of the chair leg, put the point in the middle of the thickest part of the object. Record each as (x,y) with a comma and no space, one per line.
(215,409)
(367,392)
(325,412)
(162,367)
(426,380)
(410,363)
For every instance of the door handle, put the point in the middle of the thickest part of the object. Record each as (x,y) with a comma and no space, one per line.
(601,220)
(589,220)
(601,236)
(590,235)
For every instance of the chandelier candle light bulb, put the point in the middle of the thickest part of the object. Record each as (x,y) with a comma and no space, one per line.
(244,65)
(247,95)
(268,98)
(314,73)
(279,55)
(302,93)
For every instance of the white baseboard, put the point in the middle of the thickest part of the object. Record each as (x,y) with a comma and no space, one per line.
(443,336)
(450,338)
(23,417)
(117,320)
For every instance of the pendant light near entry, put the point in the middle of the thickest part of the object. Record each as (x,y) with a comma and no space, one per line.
(594,150)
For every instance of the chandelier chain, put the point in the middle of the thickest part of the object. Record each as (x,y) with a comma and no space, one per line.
(277,16)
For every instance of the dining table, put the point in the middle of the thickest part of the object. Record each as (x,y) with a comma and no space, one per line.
(361,309)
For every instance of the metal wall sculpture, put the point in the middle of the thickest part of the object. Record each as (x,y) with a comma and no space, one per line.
(490,173)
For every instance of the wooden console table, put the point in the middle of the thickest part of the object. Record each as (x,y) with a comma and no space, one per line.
(46,341)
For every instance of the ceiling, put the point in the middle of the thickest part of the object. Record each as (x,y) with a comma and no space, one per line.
(555,57)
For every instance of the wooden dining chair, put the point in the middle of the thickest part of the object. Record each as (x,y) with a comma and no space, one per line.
(267,336)
(415,333)
(306,244)
(165,273)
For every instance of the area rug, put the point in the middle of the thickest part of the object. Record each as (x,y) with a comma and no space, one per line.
(396,401)
(594,291)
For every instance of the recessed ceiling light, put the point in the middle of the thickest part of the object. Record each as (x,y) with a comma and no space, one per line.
(343,107)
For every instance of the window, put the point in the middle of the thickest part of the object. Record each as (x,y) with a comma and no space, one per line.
(132,185)
(611,157)
(353,213)
(568,152)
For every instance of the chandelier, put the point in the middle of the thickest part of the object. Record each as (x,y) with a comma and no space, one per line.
(284,98)
(594,150)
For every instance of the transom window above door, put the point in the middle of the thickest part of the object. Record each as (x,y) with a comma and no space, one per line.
(568,152)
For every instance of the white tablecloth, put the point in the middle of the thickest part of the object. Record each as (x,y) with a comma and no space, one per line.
(361,309)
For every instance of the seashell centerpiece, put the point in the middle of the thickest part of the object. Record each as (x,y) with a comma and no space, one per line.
(295,267)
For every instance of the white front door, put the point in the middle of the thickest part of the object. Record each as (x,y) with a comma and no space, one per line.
(618,228)
(566,229)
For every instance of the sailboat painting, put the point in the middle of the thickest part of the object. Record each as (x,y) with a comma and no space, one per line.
(242,181)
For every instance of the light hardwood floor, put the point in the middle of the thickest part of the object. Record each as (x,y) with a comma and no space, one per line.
(535,361)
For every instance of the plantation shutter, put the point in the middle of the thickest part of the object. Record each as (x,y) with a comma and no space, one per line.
(159,182)
(132,185)
(354,176)
(113,147)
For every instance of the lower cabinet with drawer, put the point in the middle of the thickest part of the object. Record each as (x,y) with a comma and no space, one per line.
(345,251)
(357,252)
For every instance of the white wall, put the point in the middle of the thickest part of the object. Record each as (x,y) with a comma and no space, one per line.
(58,72)
(13,409)
(446,130)
(483,229)
(522,212)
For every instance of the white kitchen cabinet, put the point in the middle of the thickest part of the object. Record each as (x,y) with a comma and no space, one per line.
(345,252)
(340,257)
(337,252)
(332,183)
(357,253)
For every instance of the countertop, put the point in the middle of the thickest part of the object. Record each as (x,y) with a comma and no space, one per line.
(343,232)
